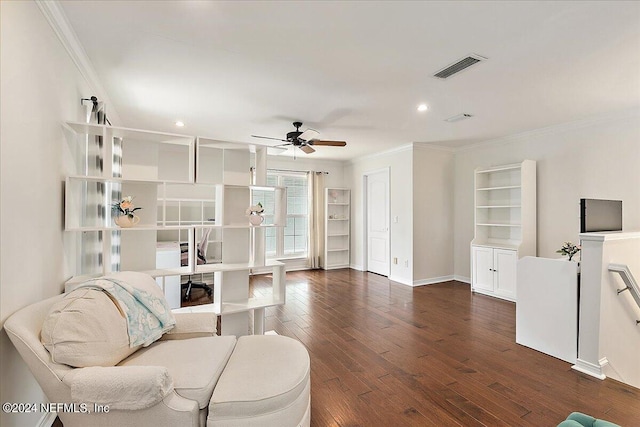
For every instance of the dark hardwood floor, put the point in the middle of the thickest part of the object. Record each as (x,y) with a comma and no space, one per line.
(385,354)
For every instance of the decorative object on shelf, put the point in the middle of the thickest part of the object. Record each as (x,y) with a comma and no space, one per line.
(334,196)
(126,221)
(568,249)
(255,214)
(124,210)
(256,219)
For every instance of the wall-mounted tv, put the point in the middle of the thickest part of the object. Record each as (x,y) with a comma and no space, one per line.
(600,215)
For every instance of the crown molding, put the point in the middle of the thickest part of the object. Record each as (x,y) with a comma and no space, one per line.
(58,21)
(610,117)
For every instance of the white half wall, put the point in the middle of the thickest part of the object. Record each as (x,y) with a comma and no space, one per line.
(619,333)
(41,88)
(597,158)
(400,164)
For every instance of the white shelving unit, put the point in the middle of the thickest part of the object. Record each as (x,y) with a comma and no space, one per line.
(192,205)
(184,185)
(505,226)
(337,216)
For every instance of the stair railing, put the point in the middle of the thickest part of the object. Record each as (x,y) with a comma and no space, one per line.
(629,281)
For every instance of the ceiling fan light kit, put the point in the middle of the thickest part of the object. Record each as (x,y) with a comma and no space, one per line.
(303,140)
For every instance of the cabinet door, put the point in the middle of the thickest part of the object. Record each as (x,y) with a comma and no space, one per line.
(504,264)
(482,268)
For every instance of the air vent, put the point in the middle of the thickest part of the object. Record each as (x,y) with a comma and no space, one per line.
(462,64)
(458,117)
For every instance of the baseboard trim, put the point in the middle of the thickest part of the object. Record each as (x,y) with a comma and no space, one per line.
(47,419)
(401,281)
(433,280)
(591,368)
(356,267)
(462,279)
(300,268)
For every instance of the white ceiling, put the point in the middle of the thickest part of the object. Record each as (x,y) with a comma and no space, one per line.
(356,71)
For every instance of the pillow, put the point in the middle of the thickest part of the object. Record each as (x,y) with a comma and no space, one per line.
(86,328)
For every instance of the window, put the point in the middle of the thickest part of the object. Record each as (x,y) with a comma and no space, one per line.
(290,241)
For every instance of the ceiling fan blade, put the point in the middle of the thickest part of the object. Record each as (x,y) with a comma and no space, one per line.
(268,137)
(329,143)
(309,134)
(307,149)
(282,145)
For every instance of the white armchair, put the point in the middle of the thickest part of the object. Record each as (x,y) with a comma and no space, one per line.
(160,403)
(172,381)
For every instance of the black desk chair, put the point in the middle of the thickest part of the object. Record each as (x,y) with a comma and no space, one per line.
(203,245)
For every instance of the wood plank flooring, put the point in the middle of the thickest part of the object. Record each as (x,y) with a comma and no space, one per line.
(384,354)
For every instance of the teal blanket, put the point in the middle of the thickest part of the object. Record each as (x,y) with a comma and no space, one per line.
(148,315)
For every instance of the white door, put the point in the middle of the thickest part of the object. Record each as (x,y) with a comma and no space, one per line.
(504,265)
(378,222)
(482,268)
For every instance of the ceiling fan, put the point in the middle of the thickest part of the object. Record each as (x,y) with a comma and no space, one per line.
(304,140)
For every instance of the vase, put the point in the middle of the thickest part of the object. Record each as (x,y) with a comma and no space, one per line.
(256,219)
(126,221)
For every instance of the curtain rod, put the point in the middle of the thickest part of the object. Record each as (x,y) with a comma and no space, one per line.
(291,170)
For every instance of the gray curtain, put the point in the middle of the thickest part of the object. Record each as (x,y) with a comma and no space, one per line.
(98,199)
(94,193)
(316,219)
(116,194)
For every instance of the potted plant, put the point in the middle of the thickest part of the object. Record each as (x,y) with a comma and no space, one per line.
(255,214)
(568,249)
(124,211)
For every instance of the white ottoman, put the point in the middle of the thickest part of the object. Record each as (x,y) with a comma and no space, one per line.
(265,384)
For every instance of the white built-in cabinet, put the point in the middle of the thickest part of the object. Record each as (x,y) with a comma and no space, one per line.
(186,186)
(494,271)
(337,226)
(505,226)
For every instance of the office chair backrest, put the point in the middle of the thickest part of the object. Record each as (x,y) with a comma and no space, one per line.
(203,246)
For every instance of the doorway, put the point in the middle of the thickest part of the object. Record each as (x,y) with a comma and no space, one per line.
(376,227)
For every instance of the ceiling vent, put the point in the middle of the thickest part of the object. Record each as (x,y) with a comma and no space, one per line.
(458,66)
(458,117)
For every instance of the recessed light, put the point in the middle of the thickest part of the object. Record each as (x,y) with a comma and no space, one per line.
(180,124)
(422,107)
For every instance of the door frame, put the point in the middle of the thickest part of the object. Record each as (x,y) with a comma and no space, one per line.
(365,211)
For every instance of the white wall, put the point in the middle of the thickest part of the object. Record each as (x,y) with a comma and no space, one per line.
(334,179)
(41,88)
(432,215)
(401,199)
(596,158)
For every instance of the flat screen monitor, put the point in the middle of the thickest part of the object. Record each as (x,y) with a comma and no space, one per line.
(600,215)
